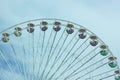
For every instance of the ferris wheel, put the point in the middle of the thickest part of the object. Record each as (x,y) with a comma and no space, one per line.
(54,49)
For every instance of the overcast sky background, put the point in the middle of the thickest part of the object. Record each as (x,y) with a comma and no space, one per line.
(100,16)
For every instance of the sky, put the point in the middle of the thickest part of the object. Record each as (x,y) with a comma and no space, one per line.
(102,17)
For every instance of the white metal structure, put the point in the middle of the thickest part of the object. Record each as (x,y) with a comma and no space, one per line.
(54,49)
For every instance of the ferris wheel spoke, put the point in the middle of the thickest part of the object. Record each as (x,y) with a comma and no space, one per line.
(65,47)
(38,52)
(56,54)
(90,65)
(25,73)
(29,52)
(73,73)
(107,76)
(6,60)
(15,55)
(40,63)
(38,42)
(72,65)
(48,58)
(68,67)
(55,61)
(66,56)
(58,42)
(87,72)
(41,54)
(43,41)
(62,51)
(77,50)
(45,53)
(22,51)
(101,74)
(79,54)
(51,54)
(33,54)
(63,61)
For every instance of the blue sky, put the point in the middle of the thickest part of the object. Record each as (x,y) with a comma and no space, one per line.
(100,16)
